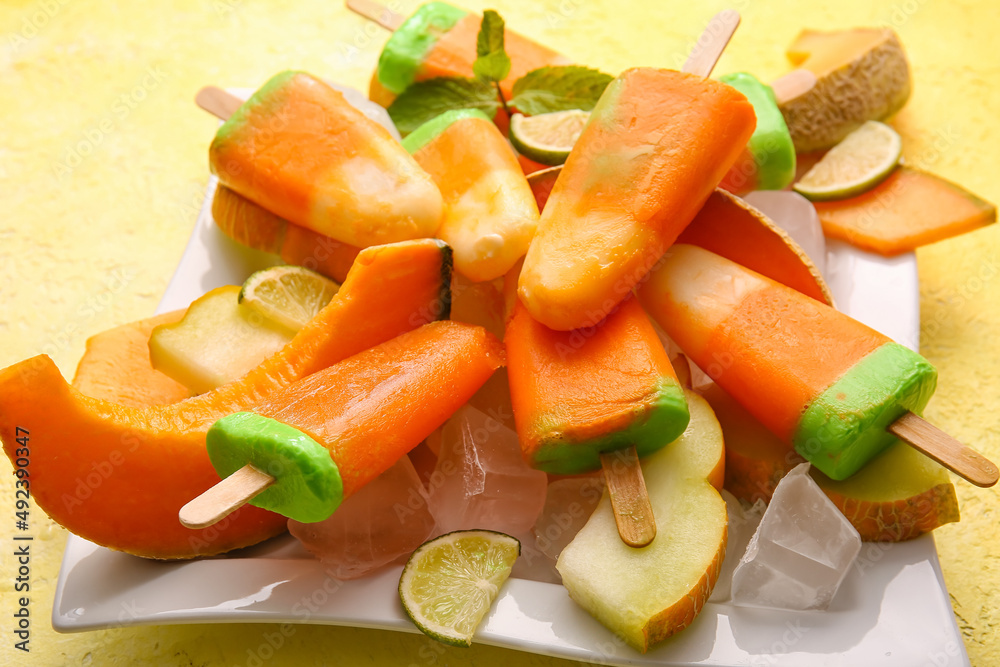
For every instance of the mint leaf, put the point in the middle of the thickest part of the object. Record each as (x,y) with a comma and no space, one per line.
(426,100)
(492,64)
(559,89)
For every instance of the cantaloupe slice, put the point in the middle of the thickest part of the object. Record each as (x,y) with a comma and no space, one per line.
(909,209)
(118,475)
(897,496)
(254,226)
(116,366)
(862,74)
(728,226)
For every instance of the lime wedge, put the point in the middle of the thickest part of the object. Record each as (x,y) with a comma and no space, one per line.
(288,295)
(450,582)
(858,163)
(547,138)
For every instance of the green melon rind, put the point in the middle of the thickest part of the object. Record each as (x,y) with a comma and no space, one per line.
(771,143)
(658,422)
(308,487)
(430,130)
(873,87)
(412,41)
(845,426)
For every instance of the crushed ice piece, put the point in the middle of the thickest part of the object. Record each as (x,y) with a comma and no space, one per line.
(568,506)
(387,518)
(481,479)
(743,522)
(801,551)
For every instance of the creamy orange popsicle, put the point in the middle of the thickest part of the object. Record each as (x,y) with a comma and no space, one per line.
(298,149)
(490,211)
(327,435)
(632,182)
(809,373)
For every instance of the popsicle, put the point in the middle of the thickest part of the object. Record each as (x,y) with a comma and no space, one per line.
(439,39)
(631,184)
(314,443)
(839,391)
(768,161)
(298,149)
(490,211)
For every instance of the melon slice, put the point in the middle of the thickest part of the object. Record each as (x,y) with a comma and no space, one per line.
(909,209)
(862,74)
(118,475)
(116,366)
(897,496)
(646,595)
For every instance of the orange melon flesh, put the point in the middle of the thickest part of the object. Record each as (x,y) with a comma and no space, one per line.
(366,411)
(256,227)
(115,366)
(581,393)
(298,149)
(631,184)
(728,226)
(909,209)
(117,475)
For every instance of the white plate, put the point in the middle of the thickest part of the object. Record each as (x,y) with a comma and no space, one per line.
(892,609)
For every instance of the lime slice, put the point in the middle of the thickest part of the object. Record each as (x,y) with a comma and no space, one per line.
(288,295)
(858,163)
(547,138)
(450,582)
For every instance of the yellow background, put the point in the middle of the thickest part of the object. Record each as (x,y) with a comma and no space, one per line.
(103,167)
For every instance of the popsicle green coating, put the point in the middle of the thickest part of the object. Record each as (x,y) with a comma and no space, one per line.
(307,484)
(410,44)
(426,133)
(263,96)
(771,144)
(845,426)
(654,427)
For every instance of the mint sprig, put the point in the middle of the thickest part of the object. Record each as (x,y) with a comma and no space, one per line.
(550,89)
(426,100)
(543,90)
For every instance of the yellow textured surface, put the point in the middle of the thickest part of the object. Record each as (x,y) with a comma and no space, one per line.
(103,166)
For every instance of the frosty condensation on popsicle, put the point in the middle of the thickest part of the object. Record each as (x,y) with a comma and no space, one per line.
(320,439)
(298,149)
(490,211)
(828,384)
(631,184)
(439,40)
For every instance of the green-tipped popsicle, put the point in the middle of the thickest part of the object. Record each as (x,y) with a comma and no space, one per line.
(839,391)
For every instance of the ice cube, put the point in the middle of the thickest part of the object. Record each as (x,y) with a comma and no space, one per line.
(532,564)
(386,519)
(481,480)
(568,505)
(800,552)
(743,522)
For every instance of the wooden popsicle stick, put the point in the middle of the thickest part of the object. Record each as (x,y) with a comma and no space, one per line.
(629,497)
(378,13)
(964,461)
(226,497)
(795,83)
(217,102)
(712,42)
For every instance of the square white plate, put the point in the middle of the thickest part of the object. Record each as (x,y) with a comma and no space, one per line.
(892,609)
